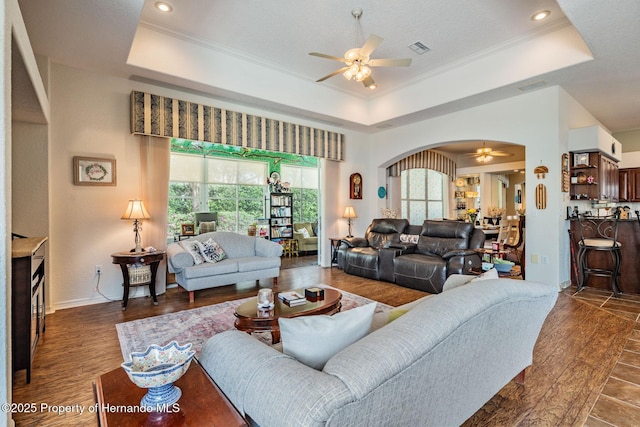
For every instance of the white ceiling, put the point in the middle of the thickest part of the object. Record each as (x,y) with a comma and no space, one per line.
(256,52)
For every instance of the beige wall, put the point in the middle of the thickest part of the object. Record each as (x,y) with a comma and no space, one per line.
(630,140)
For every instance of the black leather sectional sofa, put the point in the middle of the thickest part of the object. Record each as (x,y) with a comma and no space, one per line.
(415,256)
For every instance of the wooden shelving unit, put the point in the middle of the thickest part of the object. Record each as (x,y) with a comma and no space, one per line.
(593,177)
(281,216)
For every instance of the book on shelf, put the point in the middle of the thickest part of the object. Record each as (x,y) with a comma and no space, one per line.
(292,298)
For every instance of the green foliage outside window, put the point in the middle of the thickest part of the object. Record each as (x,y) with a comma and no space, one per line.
(238,205)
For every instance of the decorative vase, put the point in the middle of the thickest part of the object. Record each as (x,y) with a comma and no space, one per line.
(251,231)
(472,218)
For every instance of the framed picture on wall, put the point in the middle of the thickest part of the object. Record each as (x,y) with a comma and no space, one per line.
(94,171)
(355,186)
(187,229)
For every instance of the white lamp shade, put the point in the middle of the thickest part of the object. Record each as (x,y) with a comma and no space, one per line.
(349,212)
(136,210)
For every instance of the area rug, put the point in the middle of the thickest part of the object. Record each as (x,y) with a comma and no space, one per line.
(197,325)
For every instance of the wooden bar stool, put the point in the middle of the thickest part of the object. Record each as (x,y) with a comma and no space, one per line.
(286,247)
(599,234)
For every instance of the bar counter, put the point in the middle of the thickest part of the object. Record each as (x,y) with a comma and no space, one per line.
(629,237)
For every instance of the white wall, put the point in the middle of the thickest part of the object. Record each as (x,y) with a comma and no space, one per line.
(90,117)
(532,120)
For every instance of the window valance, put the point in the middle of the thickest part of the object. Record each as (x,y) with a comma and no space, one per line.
(425,160)
(171,118)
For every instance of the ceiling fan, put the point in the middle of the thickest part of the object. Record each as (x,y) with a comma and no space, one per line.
(358,62)
(486,154)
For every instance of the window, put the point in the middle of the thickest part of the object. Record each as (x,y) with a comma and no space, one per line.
(304,186)
(422,195)
(234,189)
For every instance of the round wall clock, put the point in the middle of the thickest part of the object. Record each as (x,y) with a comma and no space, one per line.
(382,192)
(460,182)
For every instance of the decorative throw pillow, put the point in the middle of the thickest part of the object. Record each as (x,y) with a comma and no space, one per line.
(305,232)
(456,280)
(211,251)
(405,308)
(207,226)
(191,246)
(409,238)
(489,274)
(313,340)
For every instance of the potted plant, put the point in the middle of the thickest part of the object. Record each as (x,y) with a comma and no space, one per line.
(494,214)
(473,214)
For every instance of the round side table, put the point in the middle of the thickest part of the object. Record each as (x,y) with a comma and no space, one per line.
(125,259)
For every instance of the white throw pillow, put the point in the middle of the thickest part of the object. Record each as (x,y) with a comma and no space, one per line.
(489,274)
(305,232)
(192,247)
(456,280)
(313,340)
(211,251)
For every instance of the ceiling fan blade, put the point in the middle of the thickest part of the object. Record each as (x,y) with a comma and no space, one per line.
(324,55)
(370,45)
(368,82)
(341,70)
(500,154)
(390,62)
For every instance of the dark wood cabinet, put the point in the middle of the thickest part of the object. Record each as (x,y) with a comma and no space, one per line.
(629,184)
(595,177)
(608,189)
(27,299)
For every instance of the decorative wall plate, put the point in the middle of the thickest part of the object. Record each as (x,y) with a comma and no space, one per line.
(460,182)
(382,192)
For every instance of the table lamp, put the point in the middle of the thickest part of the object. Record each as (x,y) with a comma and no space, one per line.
(136,211)
(349,213)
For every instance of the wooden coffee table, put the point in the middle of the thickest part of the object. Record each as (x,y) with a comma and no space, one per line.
(250,319)
(201,404)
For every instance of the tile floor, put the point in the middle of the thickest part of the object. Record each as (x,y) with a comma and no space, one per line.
(619,400)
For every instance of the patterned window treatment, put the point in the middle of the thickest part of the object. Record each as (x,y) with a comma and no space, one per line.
(155,115)
(425,160)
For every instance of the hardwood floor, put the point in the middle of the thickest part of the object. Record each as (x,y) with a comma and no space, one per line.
(579,346)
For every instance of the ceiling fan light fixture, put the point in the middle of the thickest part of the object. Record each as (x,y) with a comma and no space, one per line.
(352,54)
(369,83)
(348,75)
(484,158)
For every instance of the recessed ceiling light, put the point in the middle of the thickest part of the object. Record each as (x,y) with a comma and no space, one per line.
(540,15)
(163,7)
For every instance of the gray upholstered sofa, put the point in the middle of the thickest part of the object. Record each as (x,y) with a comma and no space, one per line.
(247,258)
(434,366)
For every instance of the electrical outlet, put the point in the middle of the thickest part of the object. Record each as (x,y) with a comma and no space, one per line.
(545,259)
(534,258)
(98,269)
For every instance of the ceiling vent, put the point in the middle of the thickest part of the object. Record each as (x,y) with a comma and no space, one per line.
(419,48)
